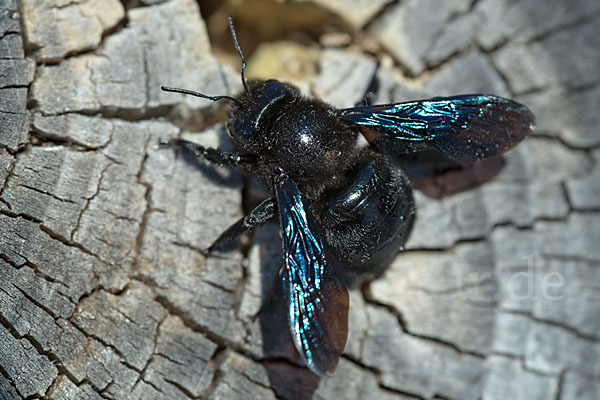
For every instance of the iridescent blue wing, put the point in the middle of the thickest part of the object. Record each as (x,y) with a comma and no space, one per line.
(316,297)
(466,128)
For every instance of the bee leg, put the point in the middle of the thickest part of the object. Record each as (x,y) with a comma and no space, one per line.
(216,156)
(259,215)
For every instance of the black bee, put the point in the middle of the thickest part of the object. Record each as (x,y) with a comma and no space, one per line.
(335,199)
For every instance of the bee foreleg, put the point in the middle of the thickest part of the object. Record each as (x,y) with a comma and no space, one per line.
(216,156)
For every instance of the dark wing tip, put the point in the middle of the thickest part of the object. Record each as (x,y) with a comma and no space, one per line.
(498,126)
(334,319)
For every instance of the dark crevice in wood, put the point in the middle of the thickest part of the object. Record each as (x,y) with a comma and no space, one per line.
(5,203)
(20,215)
(15,86)
(583,87)
(130,4)
(566,194)
(559,386)
(503,77)
(473,5)
(151,358)
(573,89)
(101,393)
(379,14)
(284,360)
(4,258)
(488,51)
(30,50)
(8,378)
(55,197)
(179,387)
(146,77)
(557,324)
(590,18)
(428,65)
(39,349)
(12,112)
(203,252)
(123,114)
(562,142)
(105,390)
(106,344)
(217,360)
(366,292)
(153,385)
(433,66)
(221,341)
(485,238)
(372,87)
(52,387)
(377,373)
(8,32)
(146,280)
(41,139)
(403,324)
(37,303)
(440,31)
(454,290)
(399,65)
(519,358)
(88,202)
(220,287)
(70,243)
(139,240)
(9,176)
(523,363)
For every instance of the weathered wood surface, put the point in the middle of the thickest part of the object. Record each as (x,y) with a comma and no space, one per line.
(105,294)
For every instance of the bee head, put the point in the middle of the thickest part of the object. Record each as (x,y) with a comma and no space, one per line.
(252,108)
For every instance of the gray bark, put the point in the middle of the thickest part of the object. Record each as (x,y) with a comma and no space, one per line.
(105,292)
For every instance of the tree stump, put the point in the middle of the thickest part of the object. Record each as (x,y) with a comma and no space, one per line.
(105,290)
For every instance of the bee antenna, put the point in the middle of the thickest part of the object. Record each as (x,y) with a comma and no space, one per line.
(239,50)
(197,94)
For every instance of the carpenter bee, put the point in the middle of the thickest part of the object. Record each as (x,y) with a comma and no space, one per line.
(338,203)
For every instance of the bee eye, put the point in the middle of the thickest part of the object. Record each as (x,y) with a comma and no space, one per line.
(240,129)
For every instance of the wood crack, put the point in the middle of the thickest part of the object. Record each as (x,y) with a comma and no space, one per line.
(557,324)
(404,325)
(377,374)
(88,202)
